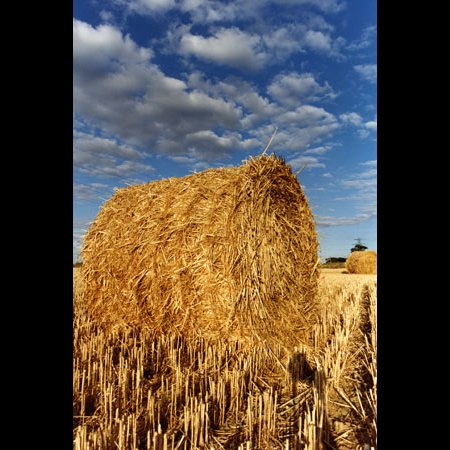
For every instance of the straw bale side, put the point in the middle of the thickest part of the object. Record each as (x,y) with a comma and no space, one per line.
(364,262)
(225,253)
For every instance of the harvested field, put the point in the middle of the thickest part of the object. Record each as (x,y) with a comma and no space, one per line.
(133,390)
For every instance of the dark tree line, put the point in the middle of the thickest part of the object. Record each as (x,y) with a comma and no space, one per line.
(332,259)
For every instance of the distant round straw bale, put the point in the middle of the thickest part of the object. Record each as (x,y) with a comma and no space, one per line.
(224,253)
(364,262)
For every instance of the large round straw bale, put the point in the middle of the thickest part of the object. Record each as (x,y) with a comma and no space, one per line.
(364,262)
(224,253)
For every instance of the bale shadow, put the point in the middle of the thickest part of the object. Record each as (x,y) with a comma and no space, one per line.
(365,434)
(300,370)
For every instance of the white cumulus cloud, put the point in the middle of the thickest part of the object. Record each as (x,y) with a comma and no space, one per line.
(295,88)
(229,46)
(308,161)
(352,118)
(367,71)
(117,87)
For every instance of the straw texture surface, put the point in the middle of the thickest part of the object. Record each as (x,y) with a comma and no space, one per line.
(227,253)
(364,262)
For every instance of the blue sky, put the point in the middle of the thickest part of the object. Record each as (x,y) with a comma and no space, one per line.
(164,88)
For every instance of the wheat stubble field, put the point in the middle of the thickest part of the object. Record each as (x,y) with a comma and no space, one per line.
(132,390)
